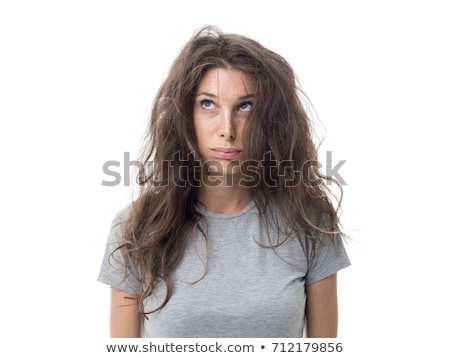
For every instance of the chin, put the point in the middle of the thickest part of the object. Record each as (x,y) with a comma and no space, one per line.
(223,167)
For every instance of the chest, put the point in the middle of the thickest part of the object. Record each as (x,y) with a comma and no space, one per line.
(233,285)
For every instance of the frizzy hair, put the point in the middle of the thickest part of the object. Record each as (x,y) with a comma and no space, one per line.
(278,130)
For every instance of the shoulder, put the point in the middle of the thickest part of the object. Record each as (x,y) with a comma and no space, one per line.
(122,216)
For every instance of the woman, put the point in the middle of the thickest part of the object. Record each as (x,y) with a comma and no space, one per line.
(234,232)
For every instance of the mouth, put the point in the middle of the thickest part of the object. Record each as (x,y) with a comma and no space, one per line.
(226,153)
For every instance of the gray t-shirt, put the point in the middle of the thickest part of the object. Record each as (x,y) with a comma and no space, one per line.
(248,290)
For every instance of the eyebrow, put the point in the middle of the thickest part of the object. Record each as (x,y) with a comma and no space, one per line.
(242,98)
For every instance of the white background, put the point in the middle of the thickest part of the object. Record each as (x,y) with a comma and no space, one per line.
(76,82)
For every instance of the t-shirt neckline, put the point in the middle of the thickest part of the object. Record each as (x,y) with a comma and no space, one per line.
(214,215)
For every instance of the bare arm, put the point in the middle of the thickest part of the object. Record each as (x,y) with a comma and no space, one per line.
(322,308)
(125,320)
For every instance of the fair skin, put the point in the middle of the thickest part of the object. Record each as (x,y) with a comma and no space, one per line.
(222,103)
(322,308)
(125,320)
(223,100)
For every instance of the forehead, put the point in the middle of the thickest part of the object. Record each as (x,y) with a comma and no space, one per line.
(216,81)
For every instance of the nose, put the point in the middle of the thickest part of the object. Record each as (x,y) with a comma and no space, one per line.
(227,127)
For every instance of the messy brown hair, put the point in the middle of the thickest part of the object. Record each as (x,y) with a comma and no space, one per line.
(278,130)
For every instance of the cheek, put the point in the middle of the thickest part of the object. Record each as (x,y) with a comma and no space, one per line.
(200,132)
(203,137)
(203,127)
(196,124)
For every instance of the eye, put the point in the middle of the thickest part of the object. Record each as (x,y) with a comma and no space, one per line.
(246,106)
(207,104)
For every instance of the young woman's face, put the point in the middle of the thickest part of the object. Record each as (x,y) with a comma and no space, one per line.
(223,101)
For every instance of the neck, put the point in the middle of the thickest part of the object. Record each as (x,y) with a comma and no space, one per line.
(224,198)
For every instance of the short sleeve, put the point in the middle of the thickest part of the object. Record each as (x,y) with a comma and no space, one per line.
(329,258)
(113,271)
